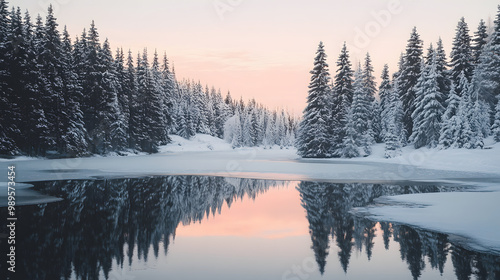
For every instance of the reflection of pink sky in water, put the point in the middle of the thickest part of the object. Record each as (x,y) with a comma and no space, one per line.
(278,213)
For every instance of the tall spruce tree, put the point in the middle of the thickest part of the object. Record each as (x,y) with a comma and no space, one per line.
(408,78)
(384,92)
(75,136)
(314,139)
(461,54)
(450,127)
(52,92)
(487,72)
(428,109)
(361,113)
(341,99)
(496,123)
(8,127)
(443,76)
(479,41)
(35,125)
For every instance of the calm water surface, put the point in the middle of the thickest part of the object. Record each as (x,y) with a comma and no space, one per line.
(197,227)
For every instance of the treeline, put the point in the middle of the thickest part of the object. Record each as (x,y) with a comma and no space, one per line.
(430,102)
(250,124)
(65,99)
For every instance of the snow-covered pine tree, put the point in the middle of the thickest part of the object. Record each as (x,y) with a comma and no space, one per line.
(74,140)
(341,99)
(479,41)
(314,140)
(443,76)
(376,122)
(232,130)
(361,114)
(8,128)
(461,54)
(428,109)
(169,93)
(487,72)
(395,134)
(408,77)
(350,146)
(384,92)
(450,127)
(110,133)
(123,91)
(35,125)
(156,103)
(496,124)
(371,87)
(52,95)
(130,88)
(464,138)
(222,113)
(368,79)
(269,136)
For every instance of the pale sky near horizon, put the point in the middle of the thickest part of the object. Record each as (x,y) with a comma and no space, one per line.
(265,48)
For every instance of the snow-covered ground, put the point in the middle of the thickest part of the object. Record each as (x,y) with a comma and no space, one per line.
(471,215)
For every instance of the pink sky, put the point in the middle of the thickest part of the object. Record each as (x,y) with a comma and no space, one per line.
(265,49)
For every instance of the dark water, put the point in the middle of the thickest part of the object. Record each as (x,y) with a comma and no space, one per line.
(196,227)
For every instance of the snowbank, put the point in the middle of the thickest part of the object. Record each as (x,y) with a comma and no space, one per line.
(471,218)
(199,142)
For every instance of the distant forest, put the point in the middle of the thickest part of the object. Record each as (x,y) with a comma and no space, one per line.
(64,98)
(67,99)
(431,101)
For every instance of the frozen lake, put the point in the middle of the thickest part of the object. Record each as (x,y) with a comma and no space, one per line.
(203,227)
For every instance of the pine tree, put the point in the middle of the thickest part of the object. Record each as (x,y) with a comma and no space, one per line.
(461,54)
(35,125)
(408,78)
(479,41)
(487,72)
(444,82)
(8,128)
(451,122)
(376,122)
(341,99)
(314,136)
(465,137)
(52,94)
(350,148)
(428,109)
(361,116)
(384,92)
(496,124)
(395,134)
(168,95)
(135,108)
(75,136)
(156,103)
(123,91)
(368,79)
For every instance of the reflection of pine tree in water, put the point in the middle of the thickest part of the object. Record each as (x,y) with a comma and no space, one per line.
(462,261)
(411,250)
(88,230)
(327,206)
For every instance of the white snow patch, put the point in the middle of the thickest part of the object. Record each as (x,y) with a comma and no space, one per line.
(469,215)
(199,142)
